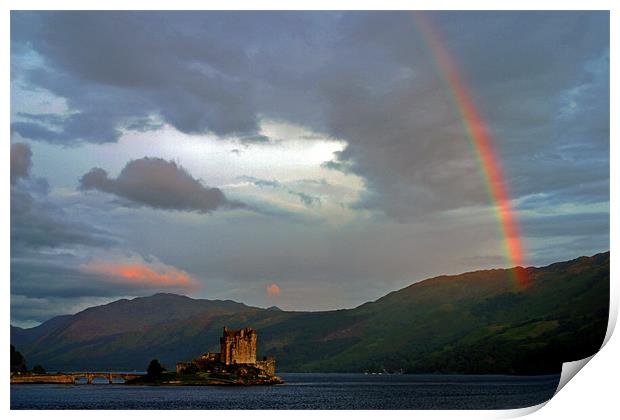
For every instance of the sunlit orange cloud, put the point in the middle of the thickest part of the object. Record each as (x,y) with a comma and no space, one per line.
(273,290)
(140,273)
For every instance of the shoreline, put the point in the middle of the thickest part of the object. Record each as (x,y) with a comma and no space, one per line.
(169,378)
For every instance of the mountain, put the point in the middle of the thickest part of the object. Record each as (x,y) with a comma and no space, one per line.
(476,322)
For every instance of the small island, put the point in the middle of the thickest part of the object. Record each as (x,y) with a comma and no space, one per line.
(235,364)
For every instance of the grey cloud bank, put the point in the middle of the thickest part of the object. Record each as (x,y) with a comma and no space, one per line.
(36,222)
(540,80)
(367,78)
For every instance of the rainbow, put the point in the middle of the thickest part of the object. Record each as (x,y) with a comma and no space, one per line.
(482,142)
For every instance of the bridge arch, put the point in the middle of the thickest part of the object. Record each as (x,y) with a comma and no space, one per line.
(109,377)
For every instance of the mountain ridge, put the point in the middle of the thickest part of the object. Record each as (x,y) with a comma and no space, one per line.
(448,323)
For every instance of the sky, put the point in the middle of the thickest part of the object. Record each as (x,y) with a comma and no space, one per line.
(307,160)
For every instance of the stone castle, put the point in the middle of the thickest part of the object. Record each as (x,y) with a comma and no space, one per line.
(237,347)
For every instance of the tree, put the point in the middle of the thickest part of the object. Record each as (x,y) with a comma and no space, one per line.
(155,369)
(39,370)
(18,362)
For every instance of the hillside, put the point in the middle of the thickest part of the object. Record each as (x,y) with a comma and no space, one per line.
(470,323)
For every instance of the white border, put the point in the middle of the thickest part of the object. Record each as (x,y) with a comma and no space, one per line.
(592,394)
(311,5)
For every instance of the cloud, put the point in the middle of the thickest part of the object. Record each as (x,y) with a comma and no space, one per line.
(408,142)
(188,78)
(21,161)
(561,225)
(542,85)
(98,273)
(305,198)
(80,127)
(49,284)
(255,139)
(261,182)
(155,274)
(273,290)
(36,221)
(159,184)
(47,236)
(337,165)
(539,79)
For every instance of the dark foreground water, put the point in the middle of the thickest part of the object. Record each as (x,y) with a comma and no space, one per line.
(303,391)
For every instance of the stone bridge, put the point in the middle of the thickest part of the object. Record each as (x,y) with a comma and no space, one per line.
(71,378)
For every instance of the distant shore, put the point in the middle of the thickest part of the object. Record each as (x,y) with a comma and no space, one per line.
(201,378)
(70,378)
(167,378)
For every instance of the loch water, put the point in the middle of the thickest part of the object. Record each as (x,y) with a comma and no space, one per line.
(302,391)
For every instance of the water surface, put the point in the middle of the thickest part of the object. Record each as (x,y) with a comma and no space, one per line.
(303,391)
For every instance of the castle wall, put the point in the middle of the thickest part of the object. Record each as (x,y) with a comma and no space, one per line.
(182,366)
(267,365)
(238,346)
(211,357)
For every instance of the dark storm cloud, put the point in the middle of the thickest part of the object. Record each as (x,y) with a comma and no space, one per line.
(78,127)
(43,235)
(159,184)
(36,222)
(589,192)
(115,69)
(47,277)
(541,81)
(64,276)
(46,285)
(408,142)
(21,161)
(580,224)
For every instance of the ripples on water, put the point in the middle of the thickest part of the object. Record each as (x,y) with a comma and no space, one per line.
(303,391)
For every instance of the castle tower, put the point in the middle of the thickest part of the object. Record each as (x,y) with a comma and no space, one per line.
(238,346)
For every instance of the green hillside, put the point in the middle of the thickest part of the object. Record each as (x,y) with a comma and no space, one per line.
(475,322)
